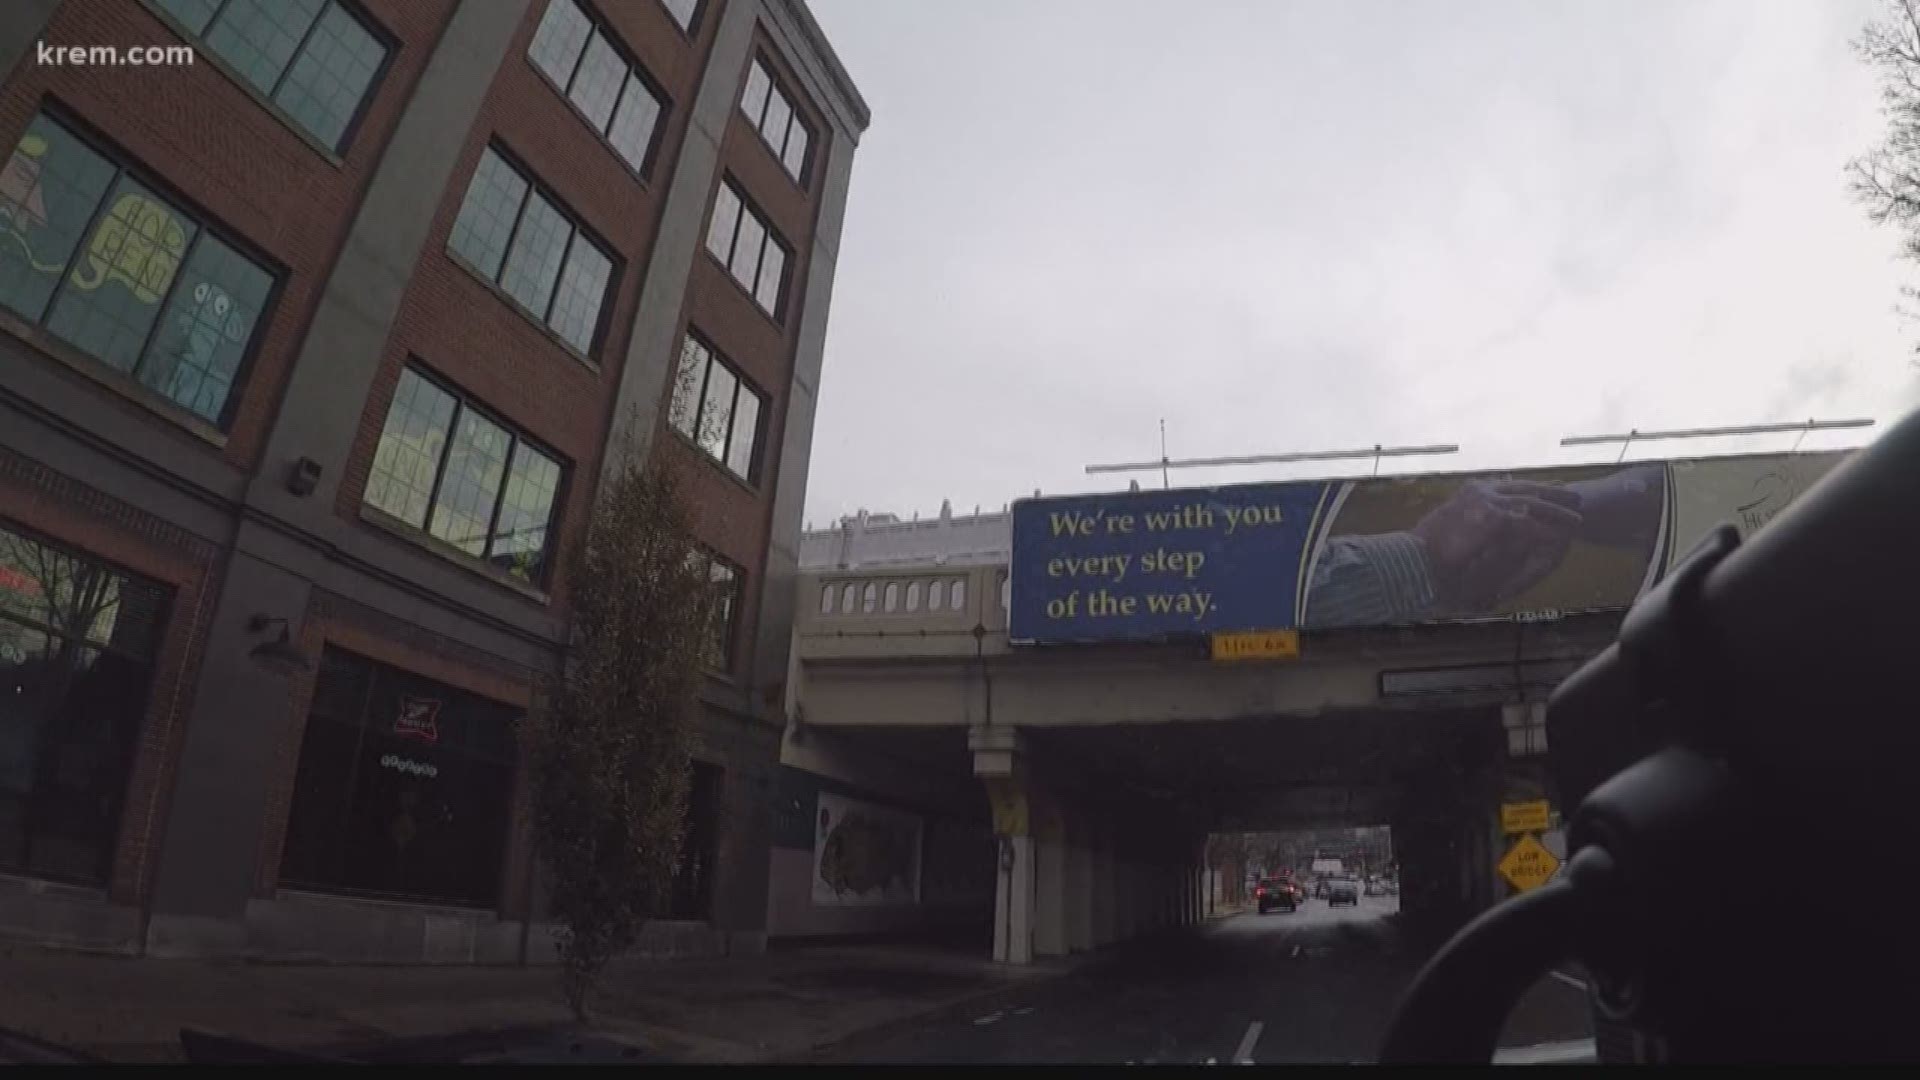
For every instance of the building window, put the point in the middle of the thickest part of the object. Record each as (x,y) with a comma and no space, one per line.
(750,251)
(892,601)
(727,583)
(77,643)
(934,589)
(716,408)
(608,89)
(691,894)
(117,271)
(957,597)
(683,12)
(913,596)
(772,114)
(445,467)
(826,600)
(402,788)
(512,234)
(315,59)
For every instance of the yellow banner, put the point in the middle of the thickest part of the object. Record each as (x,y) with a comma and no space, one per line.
(1532,816)
(1257,645)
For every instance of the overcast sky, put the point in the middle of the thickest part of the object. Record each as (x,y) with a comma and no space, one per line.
(1311,225)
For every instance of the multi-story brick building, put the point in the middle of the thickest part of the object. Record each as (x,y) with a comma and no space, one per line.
(312,354)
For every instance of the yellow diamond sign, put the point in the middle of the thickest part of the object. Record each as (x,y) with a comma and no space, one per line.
(1528,864)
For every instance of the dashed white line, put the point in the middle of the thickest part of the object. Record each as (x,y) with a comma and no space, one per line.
(1241,1053)
(1572,1052)
(1570,981)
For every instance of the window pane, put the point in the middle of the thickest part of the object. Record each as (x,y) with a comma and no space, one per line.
(192,14)
(633,122)
(400,793)
(795,155)
(70,713)
(408,456)
(113,293)
(913,596)
(576,307)
(597,84)
(867,596)
(257,37)
(485,223)
(476,463)
(716,410)
(726,214)
(746,253)
(774,127)
(892,597)
(772,268)
(538,247)
(826,600)
(557,44)
(846,600)
(687,382)
(753,100)
(726,598)
(934,589)
(959,594)
(682,11)
(48,192)
(203,336)
(746,420)
(324,88)
(520,537)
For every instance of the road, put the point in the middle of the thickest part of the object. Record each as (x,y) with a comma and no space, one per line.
(1316,985)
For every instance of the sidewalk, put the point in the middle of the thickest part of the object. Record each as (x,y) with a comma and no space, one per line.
(780,1006)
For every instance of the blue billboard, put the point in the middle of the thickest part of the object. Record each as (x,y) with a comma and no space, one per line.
(1154,565)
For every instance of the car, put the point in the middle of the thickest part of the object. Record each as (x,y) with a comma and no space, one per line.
(1276,893)
(1342,891)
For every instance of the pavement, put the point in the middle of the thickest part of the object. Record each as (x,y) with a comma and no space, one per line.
(1316,985)
(784,1005)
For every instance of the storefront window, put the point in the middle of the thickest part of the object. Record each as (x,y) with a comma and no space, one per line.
(77,641)
(402,790)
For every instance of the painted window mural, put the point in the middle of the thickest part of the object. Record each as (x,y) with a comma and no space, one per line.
(116,270)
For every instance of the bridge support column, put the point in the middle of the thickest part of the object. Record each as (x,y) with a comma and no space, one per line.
(1079,886)
(1106,888)
(996,760)
(1050,881)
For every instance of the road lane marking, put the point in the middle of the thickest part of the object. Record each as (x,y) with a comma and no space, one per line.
(1241,1052)
(1572,1052)
(1569,980)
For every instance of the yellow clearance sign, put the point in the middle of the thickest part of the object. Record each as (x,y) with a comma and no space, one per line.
(1528,864)
(1532,816)
(1257,645)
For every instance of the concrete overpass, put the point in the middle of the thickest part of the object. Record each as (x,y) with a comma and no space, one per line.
(1113,763)
(1417,699)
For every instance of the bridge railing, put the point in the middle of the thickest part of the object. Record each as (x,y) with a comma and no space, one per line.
(920,610)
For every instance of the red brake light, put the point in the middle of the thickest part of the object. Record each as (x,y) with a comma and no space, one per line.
(1260,890)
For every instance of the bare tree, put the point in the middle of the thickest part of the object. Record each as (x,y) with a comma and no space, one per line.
(611,749)
(1886,179)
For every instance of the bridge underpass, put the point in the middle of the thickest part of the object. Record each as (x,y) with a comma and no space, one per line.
(1104,769)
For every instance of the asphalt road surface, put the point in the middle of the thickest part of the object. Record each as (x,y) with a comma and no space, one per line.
(1316,985)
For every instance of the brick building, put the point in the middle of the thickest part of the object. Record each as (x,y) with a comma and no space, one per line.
(311,355)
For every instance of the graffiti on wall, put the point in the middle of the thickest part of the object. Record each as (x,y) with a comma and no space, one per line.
(864,853)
